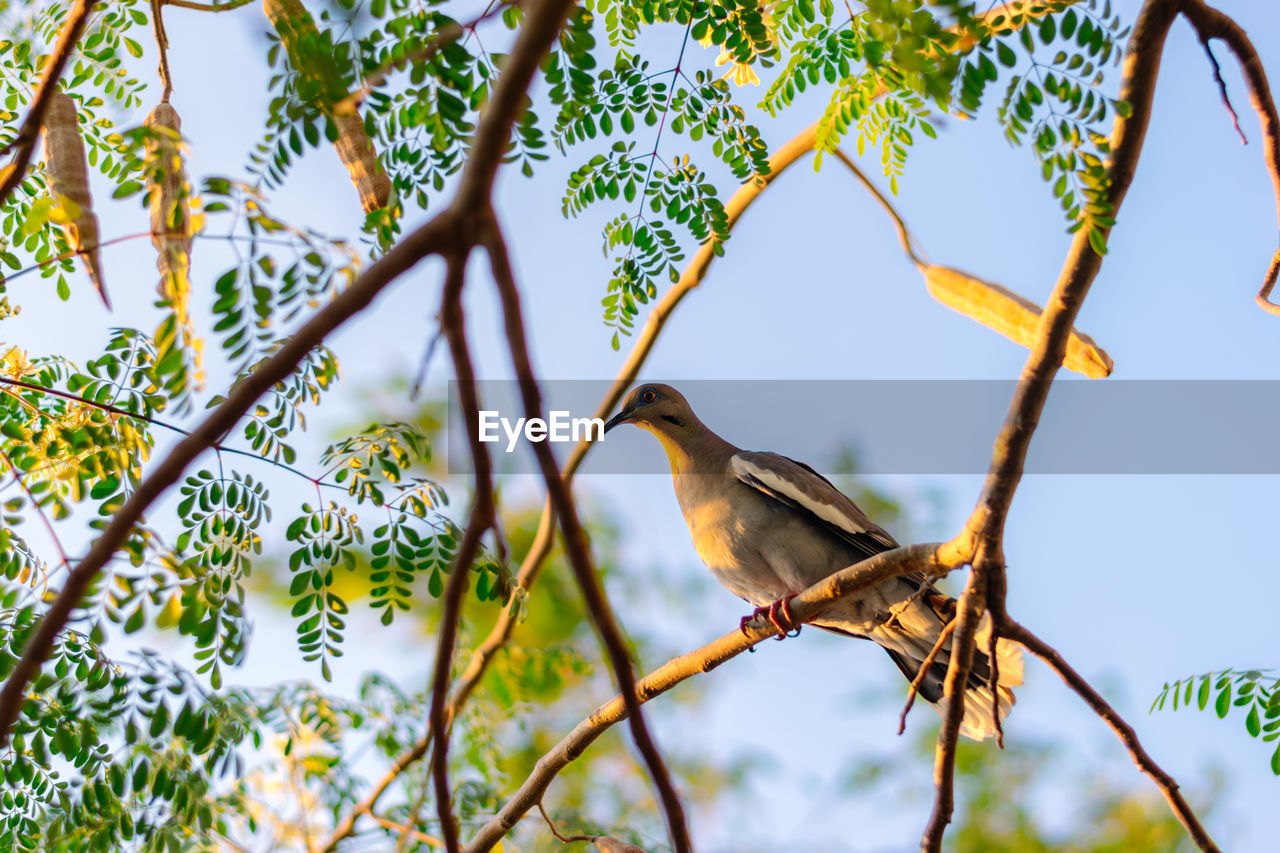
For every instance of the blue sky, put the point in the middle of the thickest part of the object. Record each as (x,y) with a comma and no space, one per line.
(1137,580)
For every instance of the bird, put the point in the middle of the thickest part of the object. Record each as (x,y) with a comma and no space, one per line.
(769,527)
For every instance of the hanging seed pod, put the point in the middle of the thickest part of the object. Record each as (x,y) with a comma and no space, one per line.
(1012,316)
(68,171)
(171,232)
(298,34)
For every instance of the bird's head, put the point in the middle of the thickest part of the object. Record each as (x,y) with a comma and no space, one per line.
(660,409)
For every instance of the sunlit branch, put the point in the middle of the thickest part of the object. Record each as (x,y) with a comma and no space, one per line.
(804,607)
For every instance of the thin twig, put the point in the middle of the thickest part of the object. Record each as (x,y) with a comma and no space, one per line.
(904,235)
(575,539)
(563,839)
(208,7)
(162,47)
(943,636)
(1222,87)
(1168,786)
(25,141)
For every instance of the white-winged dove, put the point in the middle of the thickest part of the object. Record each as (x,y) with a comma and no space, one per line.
(769,527)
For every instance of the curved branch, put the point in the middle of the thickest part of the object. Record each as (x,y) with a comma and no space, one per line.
(1210,24)
(25,141)
(1168,786)
(805,606)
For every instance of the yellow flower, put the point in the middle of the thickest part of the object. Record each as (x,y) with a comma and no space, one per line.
(741,72)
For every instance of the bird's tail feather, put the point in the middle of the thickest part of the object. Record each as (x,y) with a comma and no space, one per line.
(978,722)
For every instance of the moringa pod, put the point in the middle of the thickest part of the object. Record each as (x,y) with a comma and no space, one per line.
(1011,315)
(301,40)
(68,171)
(171,230)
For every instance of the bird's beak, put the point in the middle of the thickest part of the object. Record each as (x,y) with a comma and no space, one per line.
(618,419)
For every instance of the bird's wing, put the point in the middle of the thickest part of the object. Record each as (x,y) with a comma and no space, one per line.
(806,491)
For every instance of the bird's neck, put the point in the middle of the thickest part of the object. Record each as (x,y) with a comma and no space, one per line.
(695,451)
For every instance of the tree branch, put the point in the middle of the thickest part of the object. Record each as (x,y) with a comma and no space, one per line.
(691,277)
(983,533)
(1210,24)
(575,540)
(804,607)
(471,198)
(1168,786)
(453,321)
(25,141)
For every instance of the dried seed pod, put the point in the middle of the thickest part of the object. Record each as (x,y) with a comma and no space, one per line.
(296,28)
(171,228)
(68,171)
(1009,314)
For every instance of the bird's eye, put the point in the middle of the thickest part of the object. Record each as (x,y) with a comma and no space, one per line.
(648,395)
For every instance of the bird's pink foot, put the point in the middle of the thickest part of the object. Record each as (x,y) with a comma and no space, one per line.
(779,608)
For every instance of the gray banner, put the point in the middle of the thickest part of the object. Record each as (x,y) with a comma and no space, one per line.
(914,426)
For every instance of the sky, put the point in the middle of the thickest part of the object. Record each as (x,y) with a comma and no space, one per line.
(1135,579)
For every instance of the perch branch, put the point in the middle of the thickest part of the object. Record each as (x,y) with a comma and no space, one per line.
(1168,786)
(575,540)
(25,141)
(804,607)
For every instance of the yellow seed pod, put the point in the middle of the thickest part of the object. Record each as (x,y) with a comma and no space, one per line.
(68,171)
(1009,314)
(295,26)
(171,225)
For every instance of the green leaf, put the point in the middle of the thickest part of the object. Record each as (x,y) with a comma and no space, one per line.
(1223,703)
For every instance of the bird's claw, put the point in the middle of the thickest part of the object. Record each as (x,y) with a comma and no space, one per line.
(780,607)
